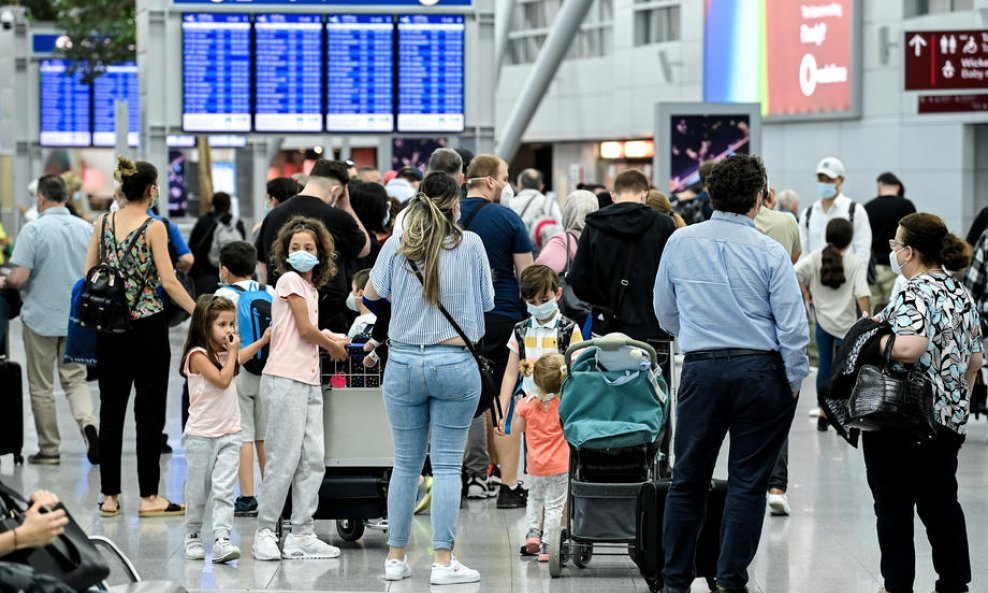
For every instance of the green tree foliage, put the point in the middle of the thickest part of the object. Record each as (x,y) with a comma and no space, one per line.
(102,33)
(39,10)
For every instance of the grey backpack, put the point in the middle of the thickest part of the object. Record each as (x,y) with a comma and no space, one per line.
(224,234)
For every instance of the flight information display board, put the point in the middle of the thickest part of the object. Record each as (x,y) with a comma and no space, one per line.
(360,79)
(288,73)
(65,106)
(216,52)
(118,83)
(430,73)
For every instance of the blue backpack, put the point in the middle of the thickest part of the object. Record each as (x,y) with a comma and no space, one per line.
(253,317)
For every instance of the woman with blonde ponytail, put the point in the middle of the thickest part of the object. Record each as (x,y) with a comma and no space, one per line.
(431,381)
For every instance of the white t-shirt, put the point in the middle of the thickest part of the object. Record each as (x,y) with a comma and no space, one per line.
(836,308)
(813,235)
(360,324)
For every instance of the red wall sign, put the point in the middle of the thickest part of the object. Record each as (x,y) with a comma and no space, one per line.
(946,60)
(953,103)
(810,56)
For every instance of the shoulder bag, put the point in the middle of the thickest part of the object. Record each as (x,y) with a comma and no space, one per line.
(571,305)
(883,399)
(489,389)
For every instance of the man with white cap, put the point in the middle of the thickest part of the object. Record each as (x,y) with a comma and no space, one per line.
(833,204)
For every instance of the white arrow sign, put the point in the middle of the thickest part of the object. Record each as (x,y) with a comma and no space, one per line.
(917,43)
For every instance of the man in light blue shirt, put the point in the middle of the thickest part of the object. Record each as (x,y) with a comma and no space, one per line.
(730,294)
(48,260)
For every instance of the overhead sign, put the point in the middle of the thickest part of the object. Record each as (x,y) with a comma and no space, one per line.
(953,103)
(946,60)
(798,59)
(360,3)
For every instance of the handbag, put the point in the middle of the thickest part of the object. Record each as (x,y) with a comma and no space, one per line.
(71,558)
(103,305)
(570,304)
(490,393)
(883,399)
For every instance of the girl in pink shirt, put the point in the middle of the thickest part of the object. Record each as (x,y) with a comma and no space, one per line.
(304,257)
(548,454)
(212,435)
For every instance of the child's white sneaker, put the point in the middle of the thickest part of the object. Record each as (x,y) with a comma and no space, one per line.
(224,551)
(307,547)
(453,573)
(396,569)
(193,547)
(265,545)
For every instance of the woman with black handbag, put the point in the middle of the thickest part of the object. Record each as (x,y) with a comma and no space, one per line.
(131,242)
(937,330)
(438,279)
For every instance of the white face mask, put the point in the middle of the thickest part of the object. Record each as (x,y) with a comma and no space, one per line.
(894,261)
(507,193)
(351,302)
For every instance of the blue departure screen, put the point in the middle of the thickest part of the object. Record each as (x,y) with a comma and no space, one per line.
(360,79)
(118,83)
(430,73)
(216,76)
(65,104)
(288,73)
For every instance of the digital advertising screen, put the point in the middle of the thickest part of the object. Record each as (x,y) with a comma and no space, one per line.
(288,73)
(360,76)
(65,106)
(798,59)
(216,57)
(430,73)
(118,83)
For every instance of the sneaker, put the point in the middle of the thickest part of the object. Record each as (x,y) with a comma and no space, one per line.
(245,506)
(544,552)
(476,488)
(42,459)
(512,498)
(166,449)
(396,569)
(493,482)
(814,412)
(307,547)
(533,544)
(453,573)
(193,547)
(92,444)
(265,546)
(424,495)
(524,550)
(778,505)
(224,551)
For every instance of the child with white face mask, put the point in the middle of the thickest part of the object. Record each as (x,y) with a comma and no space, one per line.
(355,302)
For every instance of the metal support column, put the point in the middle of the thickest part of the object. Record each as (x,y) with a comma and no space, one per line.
(502,27)
(564,30)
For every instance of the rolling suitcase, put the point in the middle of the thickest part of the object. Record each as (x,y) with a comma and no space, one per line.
(11,390)
(649,551)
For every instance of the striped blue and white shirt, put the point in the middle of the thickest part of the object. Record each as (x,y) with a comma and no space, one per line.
(466,290)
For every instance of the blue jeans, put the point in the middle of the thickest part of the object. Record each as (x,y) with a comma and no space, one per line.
(748,397)
(826,345)
(428,389)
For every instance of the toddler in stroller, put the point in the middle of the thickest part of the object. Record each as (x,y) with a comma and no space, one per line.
(613,407)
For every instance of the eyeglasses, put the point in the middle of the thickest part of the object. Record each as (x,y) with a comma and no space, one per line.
(894,242)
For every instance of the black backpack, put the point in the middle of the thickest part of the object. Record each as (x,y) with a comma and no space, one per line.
(103,303)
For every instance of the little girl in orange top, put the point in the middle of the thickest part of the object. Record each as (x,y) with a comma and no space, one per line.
(212,435)
(548,454)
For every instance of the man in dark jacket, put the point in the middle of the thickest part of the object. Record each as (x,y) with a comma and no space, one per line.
(617,259)
(203,272)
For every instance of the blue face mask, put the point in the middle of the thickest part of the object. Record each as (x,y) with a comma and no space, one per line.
(387,218)
(826,190)
(302,261)
(543,311)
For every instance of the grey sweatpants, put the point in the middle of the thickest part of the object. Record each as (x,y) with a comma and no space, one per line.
(476,459)
(296,450)
(210,476)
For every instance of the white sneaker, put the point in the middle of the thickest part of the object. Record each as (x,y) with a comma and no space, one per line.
(224,551)
(477,488)
(307,547)
(396,569)
(265,546)
(814,412)
(778,504)
(193,547)
(453,573)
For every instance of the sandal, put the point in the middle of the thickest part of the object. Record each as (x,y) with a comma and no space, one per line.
(108,514)
(172,510)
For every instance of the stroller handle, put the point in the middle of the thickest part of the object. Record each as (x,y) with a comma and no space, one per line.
(610,343)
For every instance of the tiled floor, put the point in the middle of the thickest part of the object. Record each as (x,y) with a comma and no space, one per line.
(827,545)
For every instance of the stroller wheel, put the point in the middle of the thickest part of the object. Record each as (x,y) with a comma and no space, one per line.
(350,530)
(557,551)
(582,554)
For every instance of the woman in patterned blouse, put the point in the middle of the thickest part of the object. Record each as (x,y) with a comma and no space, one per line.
(938,330)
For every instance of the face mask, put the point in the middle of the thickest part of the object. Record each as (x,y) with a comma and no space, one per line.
(351,303)
(302,261)
(543,311)
(826,190)
(507,193)
(894,262)
(387,218)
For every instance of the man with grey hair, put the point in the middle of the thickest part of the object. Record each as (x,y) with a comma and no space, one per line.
(540,213)
(789,202)
(448,161)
